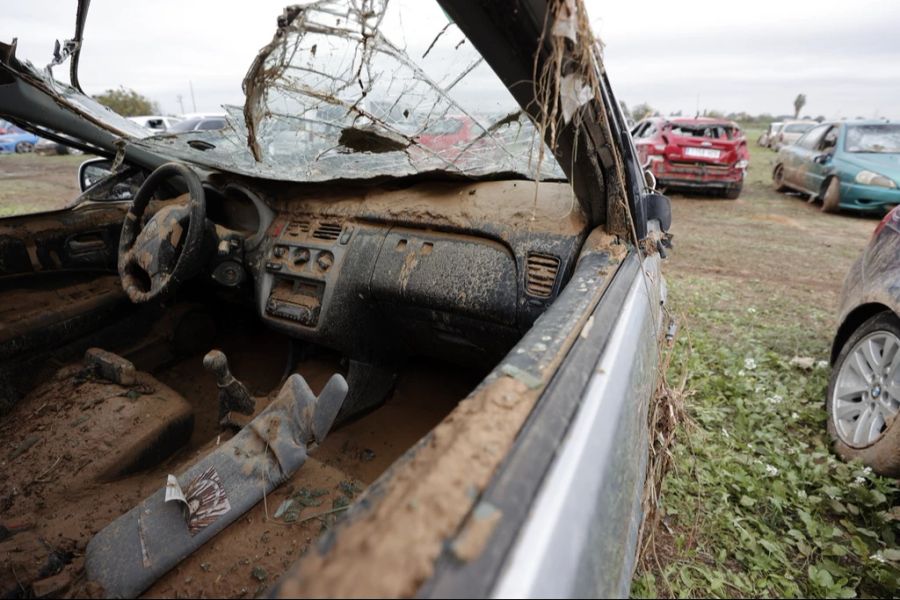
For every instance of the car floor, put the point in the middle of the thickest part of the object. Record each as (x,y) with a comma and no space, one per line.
(60,441)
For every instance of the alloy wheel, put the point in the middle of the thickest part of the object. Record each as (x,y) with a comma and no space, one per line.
(866,395)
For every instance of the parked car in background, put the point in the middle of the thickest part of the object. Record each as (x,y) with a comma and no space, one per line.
(790,132)
(17,140)
(863,399)
(158,124)
(851,165)
(765,140)
(51,148)
(447,132)
(694,153)
(199,123)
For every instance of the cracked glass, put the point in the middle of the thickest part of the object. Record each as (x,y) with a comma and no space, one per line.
(365,89)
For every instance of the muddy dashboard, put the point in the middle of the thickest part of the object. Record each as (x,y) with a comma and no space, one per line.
(452,270)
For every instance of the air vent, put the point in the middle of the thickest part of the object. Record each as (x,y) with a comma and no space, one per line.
(541,274)
(327,231)
(297,227)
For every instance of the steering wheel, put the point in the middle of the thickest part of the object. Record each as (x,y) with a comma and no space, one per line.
(157,256)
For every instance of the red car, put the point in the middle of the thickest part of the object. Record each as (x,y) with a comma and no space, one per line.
(695,154)
(447,133)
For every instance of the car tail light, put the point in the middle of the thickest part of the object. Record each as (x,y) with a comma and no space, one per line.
(893,218)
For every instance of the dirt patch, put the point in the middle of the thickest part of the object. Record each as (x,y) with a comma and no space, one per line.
(781,219)
(773,254)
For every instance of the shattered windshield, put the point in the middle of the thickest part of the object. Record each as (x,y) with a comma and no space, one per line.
(343,90)
(873,138)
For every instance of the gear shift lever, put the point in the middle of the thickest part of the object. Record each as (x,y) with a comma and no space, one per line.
(233,395)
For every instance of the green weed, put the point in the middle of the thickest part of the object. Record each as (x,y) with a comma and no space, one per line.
(756,504)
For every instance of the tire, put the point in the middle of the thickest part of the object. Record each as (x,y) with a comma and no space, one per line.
(831,195)
(778,179)
(733,191)
(24,147)
(880,451)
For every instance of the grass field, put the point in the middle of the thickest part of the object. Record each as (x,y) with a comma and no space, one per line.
(30,183)
(755,504)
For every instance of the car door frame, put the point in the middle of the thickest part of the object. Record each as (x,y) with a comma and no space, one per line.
(822,164)
(798,157)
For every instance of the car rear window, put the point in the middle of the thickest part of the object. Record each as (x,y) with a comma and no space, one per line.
(881,138)
(704,131)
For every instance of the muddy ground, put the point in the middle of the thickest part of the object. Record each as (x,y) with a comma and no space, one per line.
(33,183)
(766,256)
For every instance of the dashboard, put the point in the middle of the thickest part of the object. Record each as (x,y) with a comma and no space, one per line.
(453,270)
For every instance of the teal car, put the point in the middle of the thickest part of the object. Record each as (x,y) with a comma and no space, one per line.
(852,165)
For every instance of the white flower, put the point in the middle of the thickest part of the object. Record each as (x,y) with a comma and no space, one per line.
(795,415)
(741,373)
(771,471)
(749,364)
(775,399)
(877,556)
(859,480)
(867,470)
(822,364)
(801,494)
(751,310)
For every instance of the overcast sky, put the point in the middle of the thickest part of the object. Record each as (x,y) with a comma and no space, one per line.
(754,57)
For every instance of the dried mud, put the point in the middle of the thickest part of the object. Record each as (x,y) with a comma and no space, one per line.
(54,506)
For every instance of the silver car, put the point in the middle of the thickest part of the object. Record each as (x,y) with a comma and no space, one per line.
(790,132)
(378,366)
(863,399)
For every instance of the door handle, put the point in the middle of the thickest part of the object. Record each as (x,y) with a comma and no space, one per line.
(87,242)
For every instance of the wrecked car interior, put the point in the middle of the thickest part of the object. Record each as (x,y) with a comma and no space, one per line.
(338,347)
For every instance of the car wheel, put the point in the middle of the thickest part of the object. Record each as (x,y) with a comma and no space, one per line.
(733,191)
(778,179)
(24,147)
(831,197)
(863,399)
